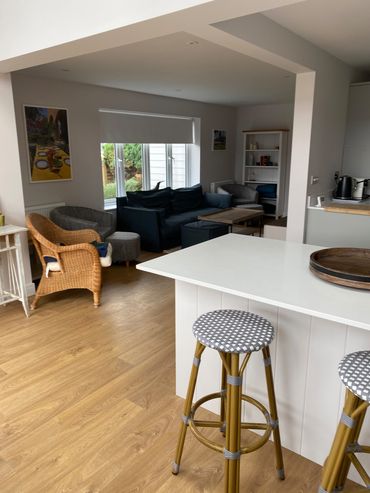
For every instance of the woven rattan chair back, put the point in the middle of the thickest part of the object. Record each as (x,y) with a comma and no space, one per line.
(78,260)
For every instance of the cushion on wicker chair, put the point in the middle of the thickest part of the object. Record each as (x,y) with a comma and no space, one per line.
(53,264)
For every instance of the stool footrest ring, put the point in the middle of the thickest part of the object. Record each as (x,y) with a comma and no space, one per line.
(194,424)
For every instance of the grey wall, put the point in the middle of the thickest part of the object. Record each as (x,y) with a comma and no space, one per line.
(83,102)
(356,155)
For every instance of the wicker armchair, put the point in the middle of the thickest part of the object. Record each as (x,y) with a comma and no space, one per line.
(79,261)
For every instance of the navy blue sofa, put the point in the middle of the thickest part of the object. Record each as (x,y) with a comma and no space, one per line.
(157,216)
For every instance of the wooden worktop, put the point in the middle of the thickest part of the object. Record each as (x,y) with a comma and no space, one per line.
(362,209)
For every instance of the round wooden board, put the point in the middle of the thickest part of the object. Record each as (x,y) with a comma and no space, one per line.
(345,266)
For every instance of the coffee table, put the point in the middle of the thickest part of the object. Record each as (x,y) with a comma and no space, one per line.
(234,215)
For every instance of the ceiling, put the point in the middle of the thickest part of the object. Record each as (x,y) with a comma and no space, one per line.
(340,27)
(178,65)
(189,67)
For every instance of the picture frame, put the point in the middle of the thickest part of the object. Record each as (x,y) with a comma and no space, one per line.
(218,140)
(47,139)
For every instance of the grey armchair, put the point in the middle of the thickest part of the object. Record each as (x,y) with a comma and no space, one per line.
(242,195)
(74,218)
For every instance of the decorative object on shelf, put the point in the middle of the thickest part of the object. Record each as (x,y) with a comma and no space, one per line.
(2,219)
(218,140)
(264,160)
(47,143)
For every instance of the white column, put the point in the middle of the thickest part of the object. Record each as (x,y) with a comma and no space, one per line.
(11,191)
(300,160)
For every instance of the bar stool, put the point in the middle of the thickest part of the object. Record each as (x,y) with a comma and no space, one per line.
(354,371)
(231,332)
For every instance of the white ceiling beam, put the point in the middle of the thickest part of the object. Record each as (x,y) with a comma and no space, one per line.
(244,47)
(56,42)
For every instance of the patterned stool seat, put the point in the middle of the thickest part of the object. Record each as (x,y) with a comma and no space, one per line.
(233,331)
(354,371)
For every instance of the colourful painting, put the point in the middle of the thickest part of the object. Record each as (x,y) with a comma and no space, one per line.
(47,144)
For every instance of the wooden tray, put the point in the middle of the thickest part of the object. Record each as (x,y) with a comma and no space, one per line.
(345,266)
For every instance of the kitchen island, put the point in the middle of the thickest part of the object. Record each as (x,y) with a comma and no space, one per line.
(317,323)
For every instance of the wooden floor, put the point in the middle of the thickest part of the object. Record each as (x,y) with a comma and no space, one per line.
(87,399)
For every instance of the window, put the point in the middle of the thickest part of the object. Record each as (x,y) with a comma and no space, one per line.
(132,167)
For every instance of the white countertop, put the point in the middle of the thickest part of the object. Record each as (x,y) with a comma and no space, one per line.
(271,271)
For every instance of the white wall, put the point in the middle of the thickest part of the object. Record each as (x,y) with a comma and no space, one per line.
(83,102)
(356,155)
(11,193)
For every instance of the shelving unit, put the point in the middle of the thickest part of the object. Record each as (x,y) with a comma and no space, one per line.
(264,163)
(12,281)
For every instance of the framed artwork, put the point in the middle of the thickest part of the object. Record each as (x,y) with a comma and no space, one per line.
(47,137)
(218,140)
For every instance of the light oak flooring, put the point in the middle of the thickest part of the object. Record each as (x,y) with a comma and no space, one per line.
(87,399)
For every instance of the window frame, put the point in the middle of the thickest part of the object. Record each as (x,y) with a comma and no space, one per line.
(119,160)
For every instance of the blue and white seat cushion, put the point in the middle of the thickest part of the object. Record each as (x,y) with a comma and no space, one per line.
(105,256)
(354,371)
(233,331)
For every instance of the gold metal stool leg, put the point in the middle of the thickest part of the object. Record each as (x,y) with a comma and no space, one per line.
(233,422)
(335,461)
(352,440)
(187,407)
(223,396)
(273,412)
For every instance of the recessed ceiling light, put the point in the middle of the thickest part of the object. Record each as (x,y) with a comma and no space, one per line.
(192,43)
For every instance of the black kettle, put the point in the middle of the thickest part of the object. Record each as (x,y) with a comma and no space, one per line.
(344,188)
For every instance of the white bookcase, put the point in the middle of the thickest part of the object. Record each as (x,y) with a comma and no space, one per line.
(264,163)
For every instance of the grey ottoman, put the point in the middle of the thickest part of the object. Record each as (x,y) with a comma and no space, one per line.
(126,246)
(199,231)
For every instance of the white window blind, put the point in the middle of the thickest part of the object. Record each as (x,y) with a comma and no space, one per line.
(120,126)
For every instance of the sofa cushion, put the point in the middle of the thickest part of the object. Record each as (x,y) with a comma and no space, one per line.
(240,191)
(151,199)
(187,199)
(177,220)
(268,190)
(221,201)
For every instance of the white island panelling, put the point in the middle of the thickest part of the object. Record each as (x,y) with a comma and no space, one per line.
(316,324)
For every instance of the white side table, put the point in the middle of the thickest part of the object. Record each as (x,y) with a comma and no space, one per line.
(12,281)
